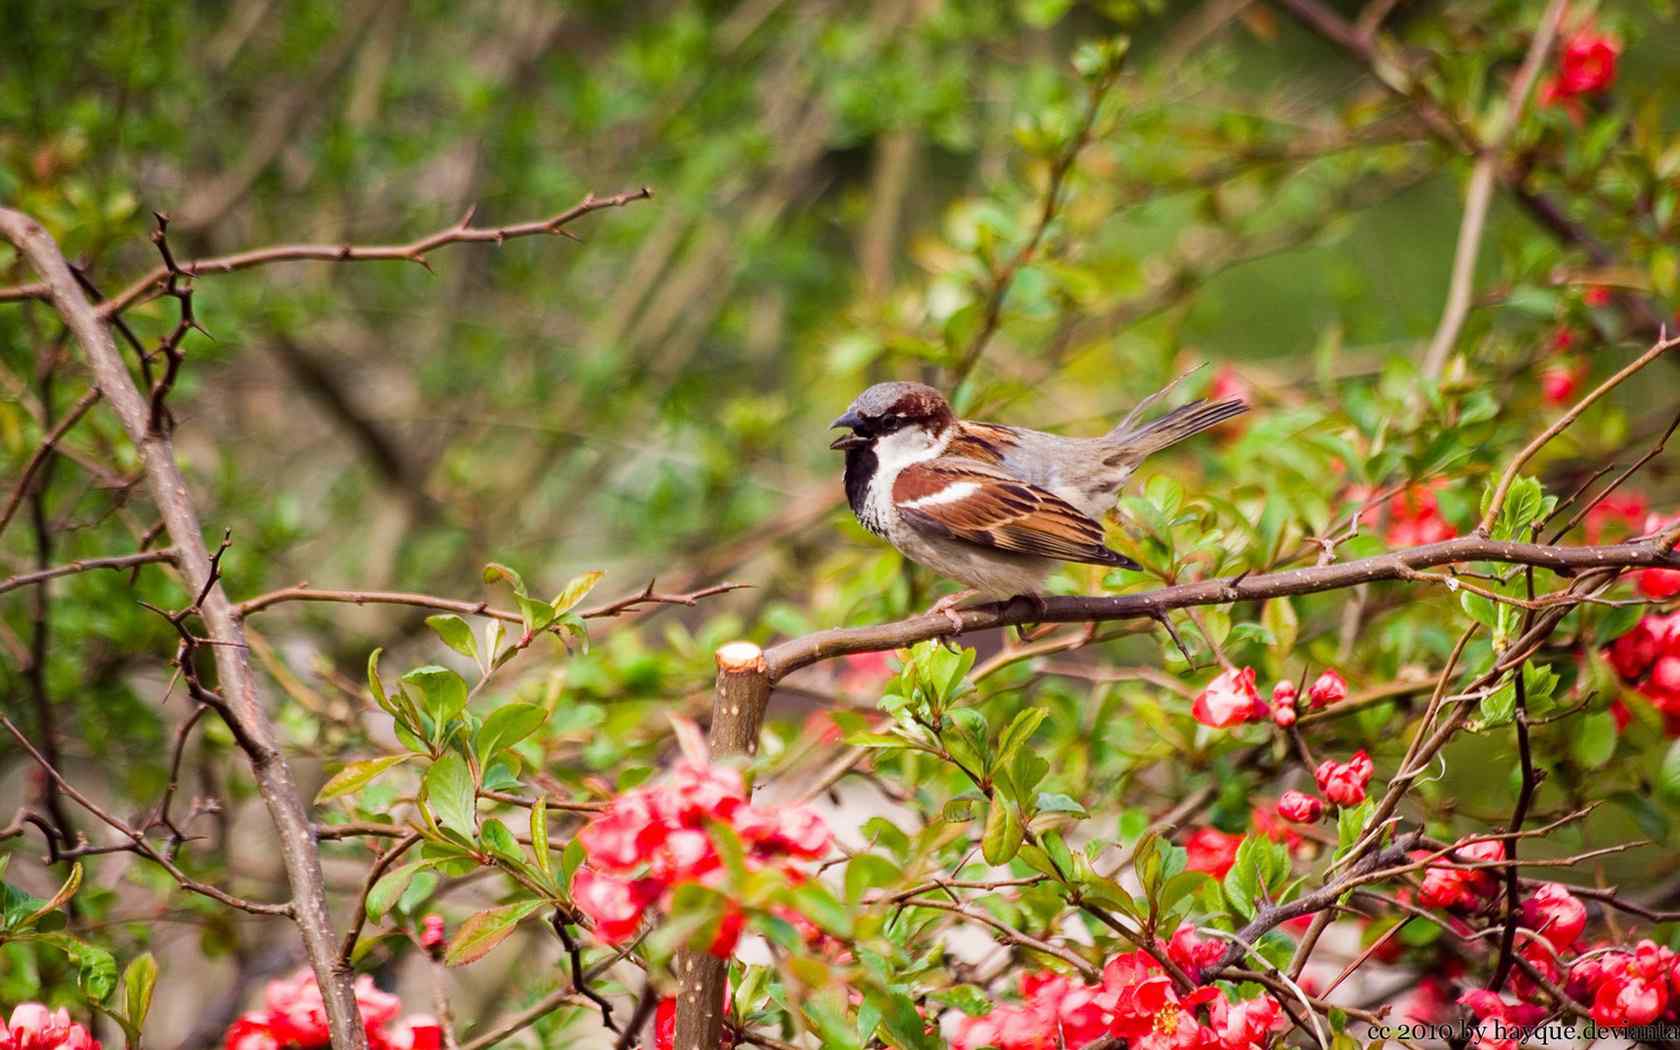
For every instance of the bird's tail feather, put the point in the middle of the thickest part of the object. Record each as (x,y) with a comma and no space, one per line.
(1175,426)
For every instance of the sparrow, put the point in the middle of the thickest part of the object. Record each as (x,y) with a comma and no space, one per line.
(991,506)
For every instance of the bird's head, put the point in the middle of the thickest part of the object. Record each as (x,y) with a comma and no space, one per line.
(908,414)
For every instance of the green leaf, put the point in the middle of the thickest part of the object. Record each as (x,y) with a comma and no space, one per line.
(377,687)
(867,871)
(536,615)
(817,902)
(1668,778)
(1003,834)
(495,572)
(539,837)
(1054,802)
(483,931)
(451,794)
(443,693)
(507,726)
(96,968)
(575,591)
(357,775)
(1019,731)
(384,893)
(498,841)
(1278,617)
(66,890)
(1594,740)
(1350,824)
(138,982)
(455,634)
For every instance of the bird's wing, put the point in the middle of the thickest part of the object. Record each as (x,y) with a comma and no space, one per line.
(971,501)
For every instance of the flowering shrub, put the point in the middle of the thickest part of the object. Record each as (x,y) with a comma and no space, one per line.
(653,840)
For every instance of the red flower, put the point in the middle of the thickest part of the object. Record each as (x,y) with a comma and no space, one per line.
(1658,584)
(1634,652)
(1211,850)
(1414,516)
(1300,807)
(1328,689)
(1507,1018)
(1445,887)
(626,835)
(1194,953)
(1284,716)
(1556,914)
(615,905)
(1250,1023)
(1563,337)
(1231,699)
(1344,783)
(34,1027)
(729,931)
(1588,66)
(1284,693)
(1558,383)
(1628,998)
(294,1016)
(431,932)
(1623,512)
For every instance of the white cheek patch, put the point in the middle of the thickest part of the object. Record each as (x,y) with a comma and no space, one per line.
(901,448)
(958,490)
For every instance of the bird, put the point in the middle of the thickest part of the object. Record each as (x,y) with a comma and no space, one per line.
(993,506)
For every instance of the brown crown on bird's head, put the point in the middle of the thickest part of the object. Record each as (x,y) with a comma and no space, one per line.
(886,407)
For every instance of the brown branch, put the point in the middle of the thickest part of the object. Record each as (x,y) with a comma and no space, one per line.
(245,710)
(414,251)
(742,694)
(796,653)
(305,593)
(1480,194)
(121,561)
(137,839)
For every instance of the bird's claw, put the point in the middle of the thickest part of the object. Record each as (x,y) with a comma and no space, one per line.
(947,607)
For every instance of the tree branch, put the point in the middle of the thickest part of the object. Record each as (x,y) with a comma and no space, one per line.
(244,707)
(796,653)
(414,251)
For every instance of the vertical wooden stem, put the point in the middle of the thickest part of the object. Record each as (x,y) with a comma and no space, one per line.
(743,690)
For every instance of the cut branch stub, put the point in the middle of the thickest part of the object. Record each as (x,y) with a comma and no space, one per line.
(743,691)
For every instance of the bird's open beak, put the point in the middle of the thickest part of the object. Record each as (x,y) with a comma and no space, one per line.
(845,441)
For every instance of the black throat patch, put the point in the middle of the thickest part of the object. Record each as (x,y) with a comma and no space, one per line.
(860,470)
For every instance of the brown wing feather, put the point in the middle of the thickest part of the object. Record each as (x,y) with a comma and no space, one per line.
(1002,513)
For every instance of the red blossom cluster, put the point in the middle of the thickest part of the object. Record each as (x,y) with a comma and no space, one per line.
(1211,850)
(1448,885)
(1414,515)
(1648,658)
(1586,66)
(1300,807)
(1344,783)
(1628,986)
(1624,516)
(34,1027)
(1560,381)
(1232,699)
(655,838)
(294,1016)
(1135,1001)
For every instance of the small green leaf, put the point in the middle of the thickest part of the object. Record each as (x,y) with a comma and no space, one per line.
(1594,740)
(384,893)
(455,634)
(376,686)
(451,795)
(356,776)
(495,572)
(1054,802)
(576,590)
(483,931)
(498,841)
(507,726)
(1002,837)
(539,837)
(1668,778)
(443,693)
(138,982)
